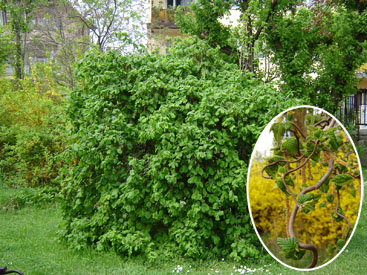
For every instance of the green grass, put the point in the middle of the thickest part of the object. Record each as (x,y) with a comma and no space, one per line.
(28,242)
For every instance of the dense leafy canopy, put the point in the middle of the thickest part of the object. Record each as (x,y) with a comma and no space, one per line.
(160,151)
(318,50)
(315,48)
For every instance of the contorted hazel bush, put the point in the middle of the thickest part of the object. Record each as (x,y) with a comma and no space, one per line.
(306,138)
(160,153)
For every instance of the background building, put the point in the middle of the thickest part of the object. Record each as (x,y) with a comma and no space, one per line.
(161,23)
(55,30)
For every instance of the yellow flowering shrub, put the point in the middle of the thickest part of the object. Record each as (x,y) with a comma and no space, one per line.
(268,208)
(31,133)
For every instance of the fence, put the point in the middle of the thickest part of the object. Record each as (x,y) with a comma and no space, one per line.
(354,111)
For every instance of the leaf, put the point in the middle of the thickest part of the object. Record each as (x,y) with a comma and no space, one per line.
(324,188)
(336,217)
(287,125)
(287,244)
(289,181)
(290,145)
(299,254)
(318,133)
(272,170)
(342,179)
(331,140)
(305,197)
(280,184)
(308,201)
(330,249)
(278,131)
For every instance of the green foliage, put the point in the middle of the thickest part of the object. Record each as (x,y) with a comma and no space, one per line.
(30,134)
(342,179)
(327,41)
(160,149)
(6,45)
(18,14)
(315,49)
(203,22)
(278,129)
(308,201)
(290,248)
(290,145)
(336,217)
(281,186)
(324,188)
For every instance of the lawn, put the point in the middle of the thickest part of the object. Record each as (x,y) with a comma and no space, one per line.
(28,242)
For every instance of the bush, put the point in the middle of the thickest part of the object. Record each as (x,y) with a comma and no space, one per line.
(160,149)
(30,133)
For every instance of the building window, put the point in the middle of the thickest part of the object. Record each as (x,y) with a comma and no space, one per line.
(175,3)
(3,19)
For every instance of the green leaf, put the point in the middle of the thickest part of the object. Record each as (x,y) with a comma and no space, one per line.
(324,188)
(290,145)
(336,217)
(289,181)
(278,131)
(272,170)
(308,201)
(330,250)
(287,125)
(287,244)
(305,197)
(275,158)
(280,184)
(342,179)
(318,133)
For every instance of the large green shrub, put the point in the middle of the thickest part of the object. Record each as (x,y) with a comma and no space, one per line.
(160,151)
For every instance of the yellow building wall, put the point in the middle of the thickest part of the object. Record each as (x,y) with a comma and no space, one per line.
(362,83)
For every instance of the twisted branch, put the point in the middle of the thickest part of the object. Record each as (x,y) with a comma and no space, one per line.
(276,162)
(298,129)
(295,209)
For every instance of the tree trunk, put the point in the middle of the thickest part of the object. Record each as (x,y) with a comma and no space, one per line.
(18,52)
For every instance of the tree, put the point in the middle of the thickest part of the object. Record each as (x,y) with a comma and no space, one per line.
(316,48)
(63,36)
(113,23)
(242,43)
(6,44)
(319,48)
(19,16)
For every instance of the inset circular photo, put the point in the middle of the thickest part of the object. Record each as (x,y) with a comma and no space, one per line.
(304,188)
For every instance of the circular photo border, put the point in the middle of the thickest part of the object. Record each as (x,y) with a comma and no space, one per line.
(361,196)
